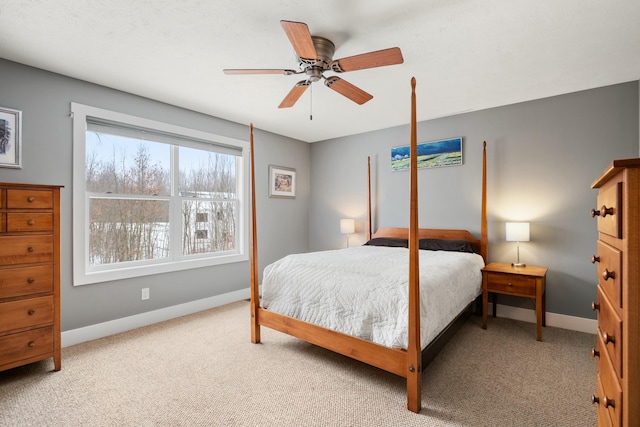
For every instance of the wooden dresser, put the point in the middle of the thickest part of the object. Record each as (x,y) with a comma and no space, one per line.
(29,274)
(617,347)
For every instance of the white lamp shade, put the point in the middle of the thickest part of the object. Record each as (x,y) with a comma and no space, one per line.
(347,226)
(517,231)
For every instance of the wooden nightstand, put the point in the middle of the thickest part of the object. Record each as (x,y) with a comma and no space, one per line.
(528,282)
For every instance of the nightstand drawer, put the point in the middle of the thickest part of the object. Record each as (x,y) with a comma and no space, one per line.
(511,284)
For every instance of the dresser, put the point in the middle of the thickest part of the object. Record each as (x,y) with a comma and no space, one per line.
(617,346)
(29,274)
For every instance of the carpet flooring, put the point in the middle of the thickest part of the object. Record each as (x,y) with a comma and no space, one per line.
(202,370)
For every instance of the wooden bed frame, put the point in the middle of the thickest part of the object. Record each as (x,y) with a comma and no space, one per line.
(405,363)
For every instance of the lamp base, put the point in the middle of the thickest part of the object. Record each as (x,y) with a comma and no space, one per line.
(518,264)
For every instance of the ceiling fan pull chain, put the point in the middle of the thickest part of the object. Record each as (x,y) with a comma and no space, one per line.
(311,102)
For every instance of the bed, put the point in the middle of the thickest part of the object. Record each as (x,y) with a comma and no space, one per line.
(388,336)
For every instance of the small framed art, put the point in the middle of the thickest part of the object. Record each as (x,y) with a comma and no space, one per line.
(282,182)
(10,138)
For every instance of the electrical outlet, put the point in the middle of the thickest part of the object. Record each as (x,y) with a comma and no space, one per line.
(145,293)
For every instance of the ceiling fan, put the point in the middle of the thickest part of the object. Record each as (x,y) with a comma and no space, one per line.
(315,56)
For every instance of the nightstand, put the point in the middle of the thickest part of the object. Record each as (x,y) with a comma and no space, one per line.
(528,282)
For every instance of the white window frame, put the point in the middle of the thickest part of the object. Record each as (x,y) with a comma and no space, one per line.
(82,273)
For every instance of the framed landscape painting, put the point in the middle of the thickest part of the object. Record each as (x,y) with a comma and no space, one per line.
(445,152)
(10,138)
(282,182)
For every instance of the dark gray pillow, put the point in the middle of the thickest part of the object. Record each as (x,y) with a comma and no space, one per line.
(446,245)
(388,241)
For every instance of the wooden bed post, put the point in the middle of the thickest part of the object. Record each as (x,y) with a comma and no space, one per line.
(414,349)
(369,223)
(253,250)
(484,239)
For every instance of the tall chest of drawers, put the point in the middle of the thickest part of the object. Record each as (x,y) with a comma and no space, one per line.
(29,274)
(617,257)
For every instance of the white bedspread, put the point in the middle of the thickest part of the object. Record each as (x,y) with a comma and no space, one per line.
(362,291)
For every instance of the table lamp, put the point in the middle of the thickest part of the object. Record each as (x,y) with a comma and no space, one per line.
(347,226)
(518,232)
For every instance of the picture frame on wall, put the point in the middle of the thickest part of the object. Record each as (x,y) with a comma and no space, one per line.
(10,138)
(282,182)
(432,154)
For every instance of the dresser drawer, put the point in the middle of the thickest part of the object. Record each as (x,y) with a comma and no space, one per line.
(29,199)
(611,397)
(25,249)
(26,313)
(604,420)
(25,345)
(511,284)
(19,222)
(609,212)
(610,332)
(21,281)
(610,272)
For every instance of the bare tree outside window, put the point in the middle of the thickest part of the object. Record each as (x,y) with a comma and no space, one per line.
(129,189)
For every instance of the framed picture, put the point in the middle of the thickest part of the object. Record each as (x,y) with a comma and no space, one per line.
(445,152)
(10,138)
(282,182)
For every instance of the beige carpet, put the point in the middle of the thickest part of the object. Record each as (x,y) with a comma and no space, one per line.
(202,370)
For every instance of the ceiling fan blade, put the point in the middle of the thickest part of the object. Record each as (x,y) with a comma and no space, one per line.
(379,58)
(252,71)
(345,88)
(295,94)
(300,38)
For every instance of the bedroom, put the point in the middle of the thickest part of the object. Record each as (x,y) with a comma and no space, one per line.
(544,154)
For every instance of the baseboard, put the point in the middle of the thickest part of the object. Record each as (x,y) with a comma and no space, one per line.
(556,320)
(100,330)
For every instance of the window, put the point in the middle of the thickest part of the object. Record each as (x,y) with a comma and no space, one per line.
(151,197)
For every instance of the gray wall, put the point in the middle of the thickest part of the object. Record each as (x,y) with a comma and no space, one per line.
(45,98)
(542,158)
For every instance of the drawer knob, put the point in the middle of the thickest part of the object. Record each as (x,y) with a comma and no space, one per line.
(31,199)
(31,312)
(595,353)
(604,211)
(594,259)
(30,249)
(509,284)
(30,280)
(594,306)
(606,402)
(31,222)
(31,343)
(608,338)
(606,274)
(595,399)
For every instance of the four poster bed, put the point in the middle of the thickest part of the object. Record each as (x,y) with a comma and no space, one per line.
(387,333)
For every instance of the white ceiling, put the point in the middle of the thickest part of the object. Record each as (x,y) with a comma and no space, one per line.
(465,54)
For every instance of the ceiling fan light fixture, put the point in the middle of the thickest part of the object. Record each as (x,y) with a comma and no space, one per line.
(315,56)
